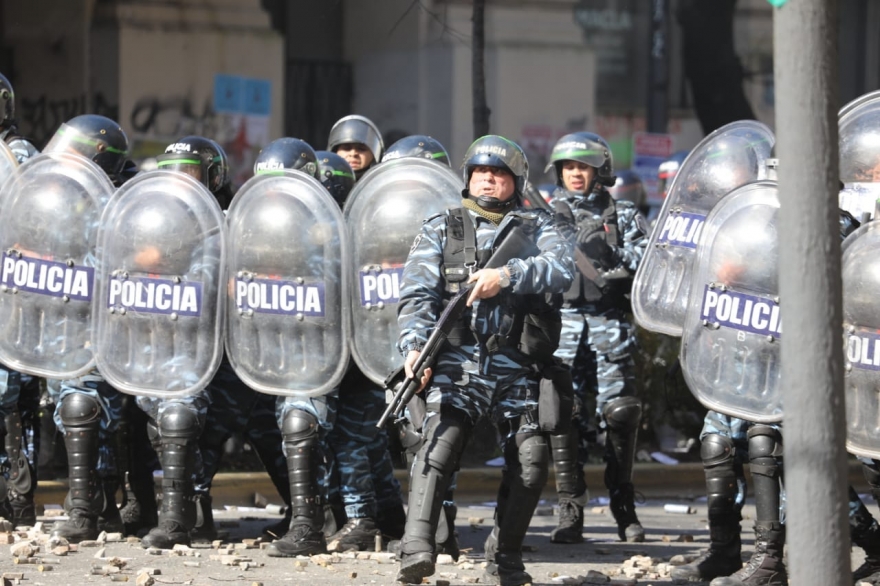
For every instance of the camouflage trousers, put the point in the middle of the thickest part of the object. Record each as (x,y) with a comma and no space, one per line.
(507,391)
(93,385)
(237,409)
(598,347)
(737,430)
(21,392)
(323,409)
(366,473)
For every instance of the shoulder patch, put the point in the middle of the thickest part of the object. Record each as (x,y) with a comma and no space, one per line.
(416,242)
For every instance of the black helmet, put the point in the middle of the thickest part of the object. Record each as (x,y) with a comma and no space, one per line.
(287,153)
(336,175)
(496,151)
(7,102)
(356,129)
(629,187)
(417,145)
(587,148)
(199,157)
(668,169)
(95,137)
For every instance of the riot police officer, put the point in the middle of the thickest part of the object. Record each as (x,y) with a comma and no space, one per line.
(357,140)
(482,373)
(20,146)
(597,338)
(176,424)
(88,410)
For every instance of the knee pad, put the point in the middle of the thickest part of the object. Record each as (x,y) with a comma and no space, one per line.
(80,410)
(178,421)
(445,438)
(534,459)
(299,426)
(764,442)
(716,449)
(623,413)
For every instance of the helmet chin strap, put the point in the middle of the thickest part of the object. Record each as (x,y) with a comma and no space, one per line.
(491,204)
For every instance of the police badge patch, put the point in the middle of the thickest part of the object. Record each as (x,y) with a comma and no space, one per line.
(415,243)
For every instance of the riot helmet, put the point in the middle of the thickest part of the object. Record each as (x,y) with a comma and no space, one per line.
(287,153)
(587,148)
(496,151)
(95,137)
(629,187)
(7,103)
(199,157)
(355,129)
(668,170)
(417,145)
(164,218)
(335,174)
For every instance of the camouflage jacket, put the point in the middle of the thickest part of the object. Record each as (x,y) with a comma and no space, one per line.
(632,226)
(423,290)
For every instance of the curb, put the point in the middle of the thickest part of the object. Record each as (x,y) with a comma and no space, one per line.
(682,482)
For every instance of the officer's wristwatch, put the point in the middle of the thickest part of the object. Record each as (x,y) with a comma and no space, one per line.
(503,279)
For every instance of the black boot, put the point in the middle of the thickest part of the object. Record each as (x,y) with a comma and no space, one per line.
(132,444)
(525,473)
(721,559)
(305,535)
(447,537)
(622,415)
(445,438)
(865,533)
(569,485)
(80,414)
(358,534)
(204,531)
(21,485)
(178,437)
(765,568)
(109,519)
(571,523)
(391,522)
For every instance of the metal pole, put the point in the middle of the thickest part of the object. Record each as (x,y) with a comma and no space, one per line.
(658,68)
(805,56)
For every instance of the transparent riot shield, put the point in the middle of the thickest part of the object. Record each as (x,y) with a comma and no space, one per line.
(51,207)
(8,163)
(731,156)
(859,134)
(287,310)
(861,321)
(730,344)
(159,315)
(384,213)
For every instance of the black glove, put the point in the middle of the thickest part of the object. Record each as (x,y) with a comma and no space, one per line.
(591,239)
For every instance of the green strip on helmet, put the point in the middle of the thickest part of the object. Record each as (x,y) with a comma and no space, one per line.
(178,162)
(79,137)
(343,174)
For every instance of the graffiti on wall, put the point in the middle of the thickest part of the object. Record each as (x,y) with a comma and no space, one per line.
(40,117)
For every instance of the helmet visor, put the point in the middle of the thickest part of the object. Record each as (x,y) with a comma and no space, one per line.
(68,139)
(182,163)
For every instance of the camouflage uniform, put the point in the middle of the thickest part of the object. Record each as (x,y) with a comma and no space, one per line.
(366,474)
(236,408)
(469,382)
(597,343)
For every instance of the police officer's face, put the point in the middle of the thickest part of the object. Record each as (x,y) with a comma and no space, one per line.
(492,182)
(355,154)
(577,176)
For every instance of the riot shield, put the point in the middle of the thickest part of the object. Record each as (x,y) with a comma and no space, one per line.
(287,314)
(861,322)
(383,214)
(728,158)
(859,129)
(158,316)
(51,208)
(8,163)
(730,351)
